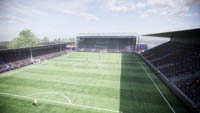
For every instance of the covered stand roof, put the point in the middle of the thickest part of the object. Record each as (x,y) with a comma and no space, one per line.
(106,35)
(191,33)
(12,49)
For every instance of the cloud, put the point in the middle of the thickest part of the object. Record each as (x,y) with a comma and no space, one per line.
(28,11)
(191,2)
(78,8)
(72,6)
(138,5)
(18,7)
(123,6)
(82,14)
(10,20)
(148,12)
(117,6)
(89,16)
(179,8)
(163,3)
(191,14)
(69,12)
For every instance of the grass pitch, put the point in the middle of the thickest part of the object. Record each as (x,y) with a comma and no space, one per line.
(85,83)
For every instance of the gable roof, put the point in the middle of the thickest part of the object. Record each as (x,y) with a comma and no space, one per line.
(189,33)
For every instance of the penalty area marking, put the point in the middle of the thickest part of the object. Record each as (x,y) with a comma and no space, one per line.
(169,105)
(63,103)
(66,97)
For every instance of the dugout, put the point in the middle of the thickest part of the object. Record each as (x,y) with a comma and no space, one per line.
(186,37)
(108,43)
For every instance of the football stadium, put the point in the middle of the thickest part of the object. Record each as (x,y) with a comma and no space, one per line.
(103,74)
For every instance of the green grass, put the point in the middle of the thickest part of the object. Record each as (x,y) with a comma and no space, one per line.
(104,80)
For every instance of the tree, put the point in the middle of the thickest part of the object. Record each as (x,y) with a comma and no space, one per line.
(25,39)
(45,40)
(4,44)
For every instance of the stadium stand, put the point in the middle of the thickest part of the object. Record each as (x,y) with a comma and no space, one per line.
(15,58)
(106,43)
(176,59)
(177,63)
(191,87)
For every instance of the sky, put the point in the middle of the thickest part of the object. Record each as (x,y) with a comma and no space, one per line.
(67,18)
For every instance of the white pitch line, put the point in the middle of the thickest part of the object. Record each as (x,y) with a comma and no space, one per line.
(66,97)
(77,105)
(172,109)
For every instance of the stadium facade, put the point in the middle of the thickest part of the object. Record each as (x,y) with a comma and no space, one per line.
(108,43)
